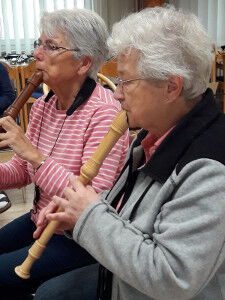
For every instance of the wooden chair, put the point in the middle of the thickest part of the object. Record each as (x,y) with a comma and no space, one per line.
(213,71)
(25,73)
(110,68)
(220,67)
(217,82)
(102,79)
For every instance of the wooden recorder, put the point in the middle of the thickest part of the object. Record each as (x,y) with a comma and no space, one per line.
(13,110)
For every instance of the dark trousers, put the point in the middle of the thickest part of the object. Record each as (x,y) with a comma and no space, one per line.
(79,284)
(61,255)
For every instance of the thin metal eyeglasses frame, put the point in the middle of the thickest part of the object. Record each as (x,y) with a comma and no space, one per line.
(120,83)
(53,47)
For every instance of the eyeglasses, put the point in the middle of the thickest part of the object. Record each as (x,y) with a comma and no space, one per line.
(50,48)
(124,84)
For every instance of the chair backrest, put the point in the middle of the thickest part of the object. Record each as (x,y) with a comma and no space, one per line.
(26,72)
(105,80)
(213,70)
(110,68)
(217,83)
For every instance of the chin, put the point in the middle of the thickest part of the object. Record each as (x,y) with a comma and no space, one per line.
(132,125)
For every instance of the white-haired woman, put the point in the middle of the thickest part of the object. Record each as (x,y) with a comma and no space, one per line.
(64,130)
(165,239)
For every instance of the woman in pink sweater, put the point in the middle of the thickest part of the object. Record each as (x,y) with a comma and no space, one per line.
(64,130)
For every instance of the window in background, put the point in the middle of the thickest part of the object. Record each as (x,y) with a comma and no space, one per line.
(211,15)
(19,21)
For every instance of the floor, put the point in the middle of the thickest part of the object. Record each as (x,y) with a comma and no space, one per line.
(21,199)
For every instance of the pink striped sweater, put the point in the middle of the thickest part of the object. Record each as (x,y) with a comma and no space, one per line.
(80,135)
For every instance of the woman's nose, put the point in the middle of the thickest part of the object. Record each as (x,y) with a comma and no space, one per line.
(38,53)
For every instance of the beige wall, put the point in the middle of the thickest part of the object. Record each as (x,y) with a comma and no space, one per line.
(113,10)
(117,9)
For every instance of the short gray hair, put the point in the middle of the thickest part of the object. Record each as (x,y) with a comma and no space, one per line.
(170,42)
(83,29)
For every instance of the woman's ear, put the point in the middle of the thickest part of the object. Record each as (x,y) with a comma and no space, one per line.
(174,87)
(85,64)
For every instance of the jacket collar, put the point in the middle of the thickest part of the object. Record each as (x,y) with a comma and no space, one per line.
(173,147)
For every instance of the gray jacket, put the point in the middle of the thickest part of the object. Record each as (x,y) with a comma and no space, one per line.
(167,241)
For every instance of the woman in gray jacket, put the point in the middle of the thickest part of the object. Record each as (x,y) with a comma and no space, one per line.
(159,233)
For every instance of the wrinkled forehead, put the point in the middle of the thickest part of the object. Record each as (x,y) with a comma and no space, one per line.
(127,62)
(52,33)
(58,37)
